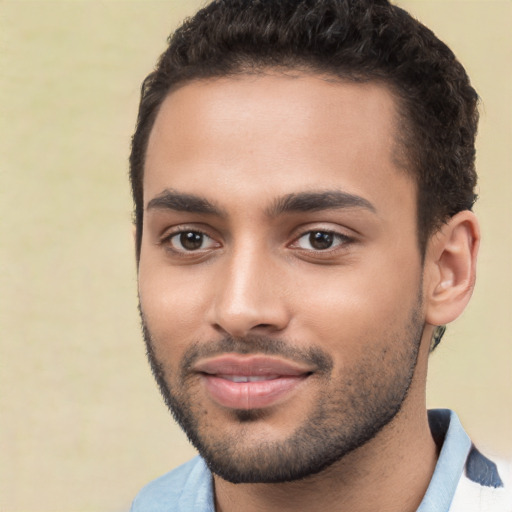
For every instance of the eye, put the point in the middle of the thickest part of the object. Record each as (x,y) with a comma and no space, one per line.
(320,240)
(189,241)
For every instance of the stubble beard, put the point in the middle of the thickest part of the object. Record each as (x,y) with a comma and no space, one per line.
(365,399)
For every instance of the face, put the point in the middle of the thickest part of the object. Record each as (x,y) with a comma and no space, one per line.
(279,275)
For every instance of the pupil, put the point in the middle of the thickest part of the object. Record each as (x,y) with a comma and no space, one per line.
(320,240)
(191,241)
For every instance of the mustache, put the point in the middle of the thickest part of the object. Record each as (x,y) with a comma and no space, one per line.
(312,356)
(257,345)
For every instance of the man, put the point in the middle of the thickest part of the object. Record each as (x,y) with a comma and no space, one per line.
(303,178)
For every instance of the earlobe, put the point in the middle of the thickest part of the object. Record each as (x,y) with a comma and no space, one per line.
(450,268)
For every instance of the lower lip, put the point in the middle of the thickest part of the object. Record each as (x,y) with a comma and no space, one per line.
(251,395)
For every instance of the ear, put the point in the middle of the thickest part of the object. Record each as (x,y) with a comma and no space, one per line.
(450,268)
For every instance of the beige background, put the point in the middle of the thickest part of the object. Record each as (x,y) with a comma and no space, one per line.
(82,426)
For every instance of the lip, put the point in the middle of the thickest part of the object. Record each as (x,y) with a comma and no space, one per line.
(274,380)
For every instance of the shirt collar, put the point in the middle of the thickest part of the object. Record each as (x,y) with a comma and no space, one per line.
(448,432)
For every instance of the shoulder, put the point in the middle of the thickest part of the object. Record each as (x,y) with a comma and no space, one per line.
(188,487)
(464,480)
(486,485)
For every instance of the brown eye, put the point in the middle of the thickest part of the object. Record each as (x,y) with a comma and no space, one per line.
(189,241)
(321,240)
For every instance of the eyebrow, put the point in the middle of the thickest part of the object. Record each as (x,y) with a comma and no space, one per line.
(317,201)
(181,202)
(297,202)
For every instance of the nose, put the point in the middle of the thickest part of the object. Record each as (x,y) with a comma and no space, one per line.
(249,295)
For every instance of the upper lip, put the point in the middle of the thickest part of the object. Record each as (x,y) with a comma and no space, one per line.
(254,365)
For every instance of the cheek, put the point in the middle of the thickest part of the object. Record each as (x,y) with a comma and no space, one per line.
(356,309)
(172,303)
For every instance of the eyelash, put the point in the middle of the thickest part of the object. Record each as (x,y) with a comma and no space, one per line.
(180,231)
(335,239)
(337,242)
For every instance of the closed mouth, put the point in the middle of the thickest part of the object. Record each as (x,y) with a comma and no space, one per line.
(250,382)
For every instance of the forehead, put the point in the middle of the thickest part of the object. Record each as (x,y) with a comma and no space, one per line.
(275,134)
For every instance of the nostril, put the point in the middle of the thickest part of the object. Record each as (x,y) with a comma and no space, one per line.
(262,326)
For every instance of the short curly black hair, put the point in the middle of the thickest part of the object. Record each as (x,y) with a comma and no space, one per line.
(359,40)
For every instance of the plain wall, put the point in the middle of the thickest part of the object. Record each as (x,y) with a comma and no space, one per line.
(82,426)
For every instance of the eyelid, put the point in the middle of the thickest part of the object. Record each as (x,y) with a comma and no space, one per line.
(171,231)
(324,227)
(345,241)
(335,235)
(166,238)
(180,233)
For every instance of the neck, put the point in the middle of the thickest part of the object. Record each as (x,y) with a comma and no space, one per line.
(390,473)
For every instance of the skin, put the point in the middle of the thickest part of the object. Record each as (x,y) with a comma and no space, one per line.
(243,144)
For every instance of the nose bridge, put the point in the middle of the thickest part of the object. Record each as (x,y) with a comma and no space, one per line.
(247,295)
